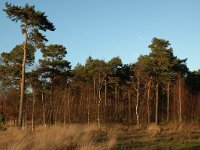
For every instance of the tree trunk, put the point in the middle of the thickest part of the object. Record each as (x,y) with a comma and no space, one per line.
(50,108)
(88,108)
(22,81)
(192,108)
(80,107)
(24,116)
(64,116)
(94,97)
(115,107)
(105,98)
(68,107)
(59,111)
(157,91)
(43,110)
(33,111)
(2,103)
(168,101)
(137,101)
(94,89)
(148,101)
(98,105)
(180,99)
(129,107)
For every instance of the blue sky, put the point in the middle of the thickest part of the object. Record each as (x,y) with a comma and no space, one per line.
(107,28)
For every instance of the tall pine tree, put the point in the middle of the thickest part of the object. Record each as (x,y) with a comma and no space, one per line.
(32,21)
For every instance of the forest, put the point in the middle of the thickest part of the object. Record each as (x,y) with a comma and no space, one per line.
(157,88)
(152,103)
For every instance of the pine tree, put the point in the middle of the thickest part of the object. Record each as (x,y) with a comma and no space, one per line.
(32,22)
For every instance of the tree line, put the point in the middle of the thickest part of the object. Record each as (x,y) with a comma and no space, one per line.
(157,88)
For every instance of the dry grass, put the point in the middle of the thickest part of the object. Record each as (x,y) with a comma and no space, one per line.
(183,127)
(153,130)
(76,136)
(89,137)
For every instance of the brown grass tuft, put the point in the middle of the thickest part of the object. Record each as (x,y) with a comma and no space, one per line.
(153,130)
(73,136)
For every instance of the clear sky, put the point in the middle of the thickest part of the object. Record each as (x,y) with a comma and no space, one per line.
(107,28)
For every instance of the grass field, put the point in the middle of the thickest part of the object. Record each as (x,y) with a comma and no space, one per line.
(109,137)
